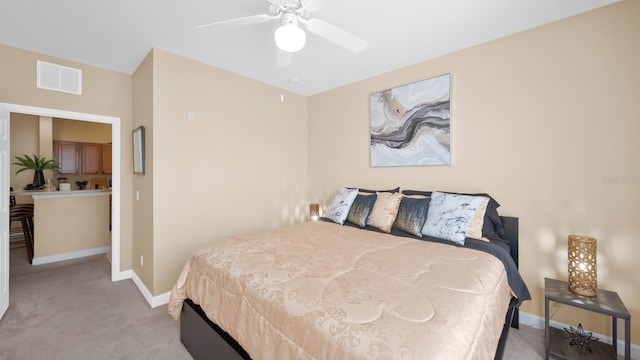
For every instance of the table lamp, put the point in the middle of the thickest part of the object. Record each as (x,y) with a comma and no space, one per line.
(583,265)
(314,211)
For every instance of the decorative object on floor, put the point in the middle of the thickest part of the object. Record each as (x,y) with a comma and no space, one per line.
(138,150)
(581,338)
(410,124)
(583,265)
(38,164)
(314,211)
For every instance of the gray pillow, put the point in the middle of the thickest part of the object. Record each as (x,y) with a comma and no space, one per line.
(360,209)
(412,215)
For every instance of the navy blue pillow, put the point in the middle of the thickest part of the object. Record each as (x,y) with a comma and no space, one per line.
(416,192)
(360,209)
(412,214)
(375,191)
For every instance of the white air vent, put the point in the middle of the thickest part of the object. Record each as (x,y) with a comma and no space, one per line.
(59,78)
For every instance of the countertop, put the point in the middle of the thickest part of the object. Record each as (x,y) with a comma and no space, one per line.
(71,193)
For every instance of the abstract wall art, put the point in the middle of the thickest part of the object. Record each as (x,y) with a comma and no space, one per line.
(410,124)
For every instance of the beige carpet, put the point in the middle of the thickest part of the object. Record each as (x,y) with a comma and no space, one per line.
(71,310)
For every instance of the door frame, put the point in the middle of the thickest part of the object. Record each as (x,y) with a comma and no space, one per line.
(116,139)
(5,149)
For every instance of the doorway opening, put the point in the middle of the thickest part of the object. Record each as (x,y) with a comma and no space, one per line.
(116,273)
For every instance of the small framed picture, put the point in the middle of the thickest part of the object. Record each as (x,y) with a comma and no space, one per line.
(138,150)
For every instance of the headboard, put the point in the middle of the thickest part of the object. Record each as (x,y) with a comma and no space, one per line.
(511,234)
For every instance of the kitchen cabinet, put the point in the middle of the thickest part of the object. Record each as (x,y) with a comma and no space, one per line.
(82,158)
(106,158)
(91,158)
(67,155)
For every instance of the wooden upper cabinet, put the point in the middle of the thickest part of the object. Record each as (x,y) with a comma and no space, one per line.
(106,158)
(82,158)
(67,155)
(91,158)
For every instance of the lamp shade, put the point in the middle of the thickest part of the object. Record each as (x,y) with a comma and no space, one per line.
(314,211)
(583,265)
(289,37)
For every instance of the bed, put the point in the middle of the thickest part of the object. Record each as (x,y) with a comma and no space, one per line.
(352,289)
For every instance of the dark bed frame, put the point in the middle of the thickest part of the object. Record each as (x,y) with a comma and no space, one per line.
(206,340)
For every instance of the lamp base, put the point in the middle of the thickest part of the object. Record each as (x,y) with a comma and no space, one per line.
(583,291)
(582,254)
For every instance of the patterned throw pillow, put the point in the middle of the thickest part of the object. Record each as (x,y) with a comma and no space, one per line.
(412,214)
(361,209)
(450,216)
(339,209)
(385,210)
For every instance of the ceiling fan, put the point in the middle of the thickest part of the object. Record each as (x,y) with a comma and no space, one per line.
(289,36)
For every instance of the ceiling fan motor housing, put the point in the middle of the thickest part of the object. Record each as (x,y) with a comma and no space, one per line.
(288,36)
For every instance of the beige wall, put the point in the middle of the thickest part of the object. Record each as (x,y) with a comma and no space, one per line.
(240,167)
(81,131)
(143,209)
(45,136)
(546,121)
(24,140)
(104,93)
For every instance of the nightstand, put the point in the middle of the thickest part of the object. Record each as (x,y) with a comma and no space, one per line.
(606,302)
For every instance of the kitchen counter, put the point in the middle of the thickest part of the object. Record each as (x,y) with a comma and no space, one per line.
(69,224)
(43,194)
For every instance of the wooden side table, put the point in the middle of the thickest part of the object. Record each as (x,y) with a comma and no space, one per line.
(606,302)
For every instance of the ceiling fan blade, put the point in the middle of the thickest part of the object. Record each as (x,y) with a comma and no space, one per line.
(243,21)
(313,5)
(336,35)
(284,58)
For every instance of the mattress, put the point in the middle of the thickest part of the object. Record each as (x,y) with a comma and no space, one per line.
(319,290)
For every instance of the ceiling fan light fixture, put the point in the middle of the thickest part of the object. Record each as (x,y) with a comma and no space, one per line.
(289,37)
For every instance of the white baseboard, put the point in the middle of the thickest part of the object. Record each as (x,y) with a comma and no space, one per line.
(70,255)
(154,301)
(162,299)
(537,322)
(122,275)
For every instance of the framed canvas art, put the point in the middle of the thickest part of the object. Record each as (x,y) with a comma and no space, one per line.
(410,124)
(138,150)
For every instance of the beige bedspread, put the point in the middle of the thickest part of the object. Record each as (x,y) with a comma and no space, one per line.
(324,291)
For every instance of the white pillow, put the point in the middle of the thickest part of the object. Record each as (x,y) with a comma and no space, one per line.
(450,216)
(339,209)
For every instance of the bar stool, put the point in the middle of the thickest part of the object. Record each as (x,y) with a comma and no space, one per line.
(25,216)
(14,205)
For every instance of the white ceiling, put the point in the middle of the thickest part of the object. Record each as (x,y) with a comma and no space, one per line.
(118,34)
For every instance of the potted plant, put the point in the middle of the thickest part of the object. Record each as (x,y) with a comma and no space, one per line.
(38,164)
